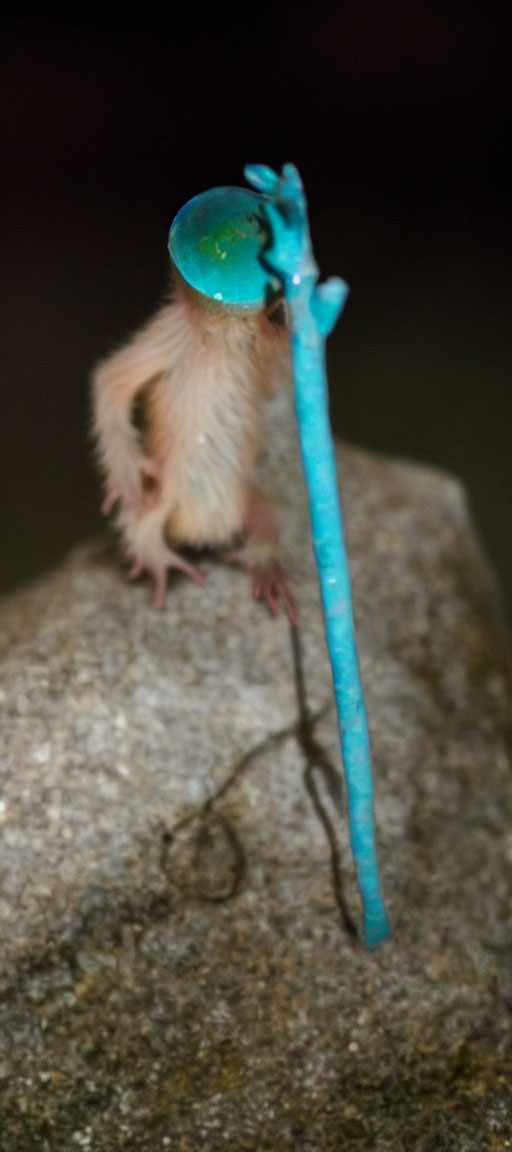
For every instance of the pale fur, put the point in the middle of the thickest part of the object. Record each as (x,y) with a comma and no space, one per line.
(204,372)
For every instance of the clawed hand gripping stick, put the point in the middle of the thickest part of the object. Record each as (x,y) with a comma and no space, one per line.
(314,310)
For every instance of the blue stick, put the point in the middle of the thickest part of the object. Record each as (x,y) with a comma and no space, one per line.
(314,311)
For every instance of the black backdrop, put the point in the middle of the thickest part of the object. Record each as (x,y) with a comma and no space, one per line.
(396,115)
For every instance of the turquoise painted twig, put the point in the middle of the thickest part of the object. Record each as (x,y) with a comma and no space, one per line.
(314,312)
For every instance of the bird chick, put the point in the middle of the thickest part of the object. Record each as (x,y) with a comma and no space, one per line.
(188,479)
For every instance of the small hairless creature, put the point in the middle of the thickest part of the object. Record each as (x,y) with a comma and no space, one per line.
(188,479)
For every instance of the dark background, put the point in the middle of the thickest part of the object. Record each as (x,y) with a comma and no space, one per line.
(396,114)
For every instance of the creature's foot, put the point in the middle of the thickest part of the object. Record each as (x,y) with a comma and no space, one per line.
(270,583)
(259,554)
(158,572)
(268,577)
(146,550)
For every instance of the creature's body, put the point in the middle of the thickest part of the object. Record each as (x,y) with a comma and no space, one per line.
(202,372)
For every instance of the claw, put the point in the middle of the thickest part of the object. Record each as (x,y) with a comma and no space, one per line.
(160,578)
(158,573)
(190,570)
(271,585)
(160,589)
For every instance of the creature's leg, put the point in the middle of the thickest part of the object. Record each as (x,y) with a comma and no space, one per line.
(260,554)
(146,549)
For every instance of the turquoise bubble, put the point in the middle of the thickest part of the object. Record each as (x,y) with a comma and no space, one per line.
(217,242)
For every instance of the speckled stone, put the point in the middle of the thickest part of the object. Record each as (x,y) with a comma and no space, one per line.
(175,972)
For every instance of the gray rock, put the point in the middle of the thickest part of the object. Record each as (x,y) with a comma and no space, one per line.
(176,967)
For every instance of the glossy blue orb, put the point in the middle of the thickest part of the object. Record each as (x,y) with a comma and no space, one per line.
(216,242)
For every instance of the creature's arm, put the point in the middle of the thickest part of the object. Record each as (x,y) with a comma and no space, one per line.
(116,383)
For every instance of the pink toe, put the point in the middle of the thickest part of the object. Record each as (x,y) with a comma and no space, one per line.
(159,592)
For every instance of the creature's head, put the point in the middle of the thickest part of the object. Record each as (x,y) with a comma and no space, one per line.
(218,242)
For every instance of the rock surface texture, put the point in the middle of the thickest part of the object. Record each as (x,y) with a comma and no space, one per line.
(176,881)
